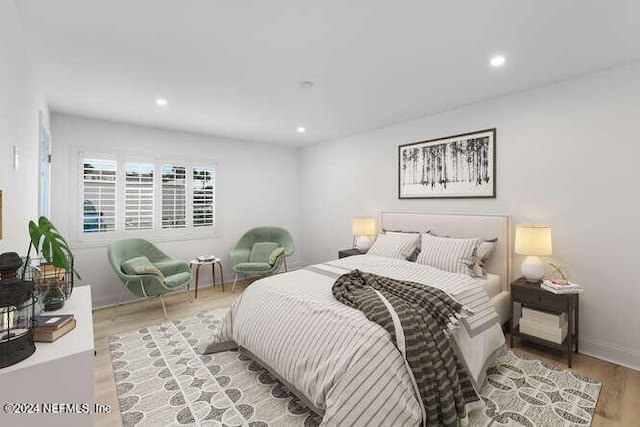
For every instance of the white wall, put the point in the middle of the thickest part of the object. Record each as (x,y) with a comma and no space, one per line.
(259,186)
(20,101)
(567,155)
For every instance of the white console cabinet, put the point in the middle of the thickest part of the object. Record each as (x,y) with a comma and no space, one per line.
(58,374)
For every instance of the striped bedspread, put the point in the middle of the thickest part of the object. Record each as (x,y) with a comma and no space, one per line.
(347,367)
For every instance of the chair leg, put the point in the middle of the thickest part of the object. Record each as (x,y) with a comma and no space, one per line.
(113,314)
(285,263)
(163,307)
(188,293)
(233,288)
(142,289)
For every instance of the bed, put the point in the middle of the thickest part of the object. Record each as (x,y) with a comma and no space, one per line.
(345,367)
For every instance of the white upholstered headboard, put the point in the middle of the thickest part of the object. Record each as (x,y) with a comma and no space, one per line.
(460,225)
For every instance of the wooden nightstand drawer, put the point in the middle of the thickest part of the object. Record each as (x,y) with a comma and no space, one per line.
(540,298)
(554,301)
(525,295)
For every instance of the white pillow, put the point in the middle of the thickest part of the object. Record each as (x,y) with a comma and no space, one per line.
(449,254)
(483,254)
(400,246)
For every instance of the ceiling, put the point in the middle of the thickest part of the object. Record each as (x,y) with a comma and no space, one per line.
(232,67)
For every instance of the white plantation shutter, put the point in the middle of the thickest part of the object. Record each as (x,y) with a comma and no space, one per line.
(174,196)
(203,197)
(98,195)
(138,196)
(131,194)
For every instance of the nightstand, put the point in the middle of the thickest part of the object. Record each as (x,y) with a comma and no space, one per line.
(533,296)
(350,252)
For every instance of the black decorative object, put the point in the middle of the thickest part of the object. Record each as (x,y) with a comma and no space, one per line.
(16,312)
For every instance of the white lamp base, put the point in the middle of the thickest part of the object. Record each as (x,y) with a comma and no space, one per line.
(532,268)
(363,243)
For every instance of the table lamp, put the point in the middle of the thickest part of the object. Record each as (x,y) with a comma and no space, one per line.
(533,241)
(362,228)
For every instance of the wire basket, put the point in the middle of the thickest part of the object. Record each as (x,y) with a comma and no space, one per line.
(45,275)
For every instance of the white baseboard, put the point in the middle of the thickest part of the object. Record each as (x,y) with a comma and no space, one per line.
(611,353)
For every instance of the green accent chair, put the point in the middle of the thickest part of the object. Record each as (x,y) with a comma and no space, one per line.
(146,271)
(251,254)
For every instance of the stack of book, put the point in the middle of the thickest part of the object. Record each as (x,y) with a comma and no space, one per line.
(561,288)
(548,326)
(50,328)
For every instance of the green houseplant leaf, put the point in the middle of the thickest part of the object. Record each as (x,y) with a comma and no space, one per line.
(50,244)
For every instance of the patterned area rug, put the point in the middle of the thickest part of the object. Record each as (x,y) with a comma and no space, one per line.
(522,391)
(163,379)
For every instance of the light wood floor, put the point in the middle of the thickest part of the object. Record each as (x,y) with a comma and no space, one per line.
(619,403)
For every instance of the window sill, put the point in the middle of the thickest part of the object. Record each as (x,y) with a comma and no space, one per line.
(102,241)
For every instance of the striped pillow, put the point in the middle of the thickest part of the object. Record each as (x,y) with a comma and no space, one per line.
(445,253)
(394,246)
(415,234)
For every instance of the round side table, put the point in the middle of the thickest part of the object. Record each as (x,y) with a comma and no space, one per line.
(213,262)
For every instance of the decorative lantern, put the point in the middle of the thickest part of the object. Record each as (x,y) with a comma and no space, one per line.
(16,312)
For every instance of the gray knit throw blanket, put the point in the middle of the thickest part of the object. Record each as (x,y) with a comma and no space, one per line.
(427,316)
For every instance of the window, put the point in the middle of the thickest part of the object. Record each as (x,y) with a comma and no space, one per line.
(138,196)
(120,194)
(98,195)
(203,195)
(174,197)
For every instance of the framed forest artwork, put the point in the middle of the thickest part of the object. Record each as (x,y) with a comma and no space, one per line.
(452,167)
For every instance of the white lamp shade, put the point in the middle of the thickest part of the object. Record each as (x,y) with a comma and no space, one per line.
(363,226)
(534,240)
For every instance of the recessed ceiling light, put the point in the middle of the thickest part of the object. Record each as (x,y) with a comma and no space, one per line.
(161,102)
(497,61)
(306,84)
(301,129)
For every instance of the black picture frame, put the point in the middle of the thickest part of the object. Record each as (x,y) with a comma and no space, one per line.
(452,167)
